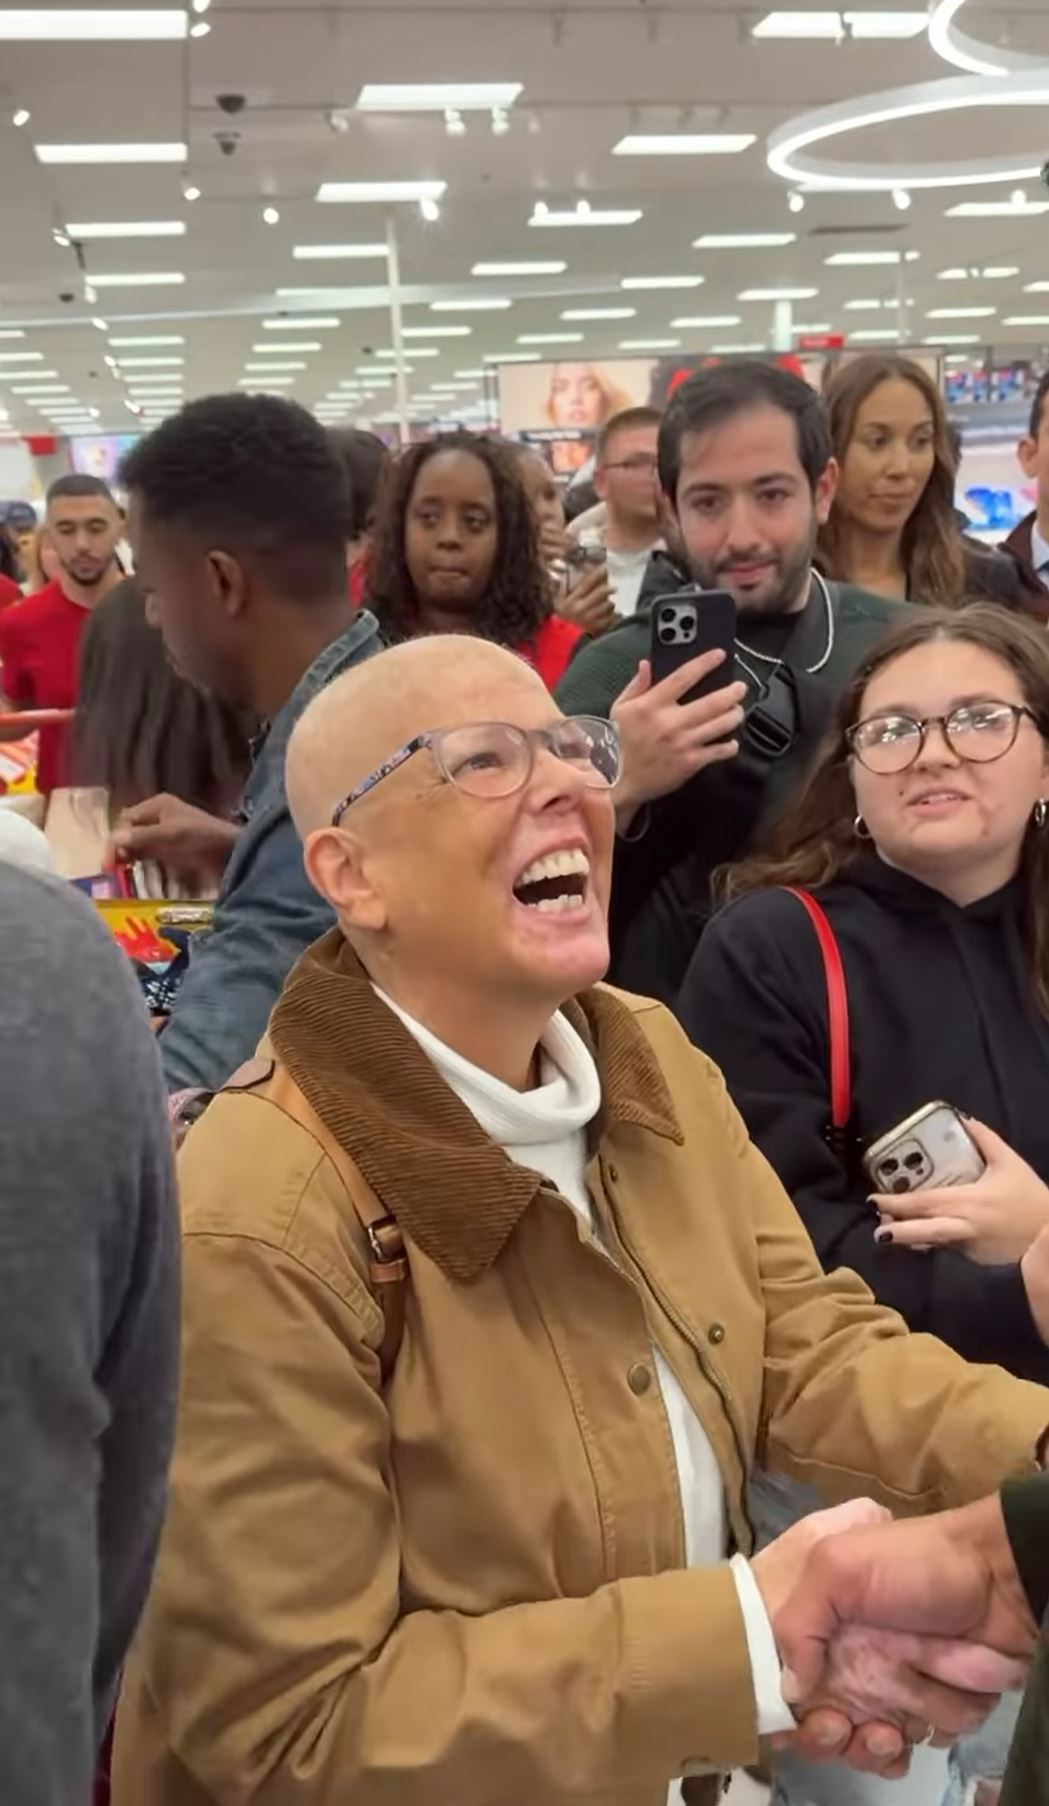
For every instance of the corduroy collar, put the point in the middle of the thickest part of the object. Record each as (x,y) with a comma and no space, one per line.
(450,1187)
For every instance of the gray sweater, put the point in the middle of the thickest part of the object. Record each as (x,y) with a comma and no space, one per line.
(88,1331)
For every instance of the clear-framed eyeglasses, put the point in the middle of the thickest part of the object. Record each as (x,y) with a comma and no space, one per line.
(978,732)
(496,758)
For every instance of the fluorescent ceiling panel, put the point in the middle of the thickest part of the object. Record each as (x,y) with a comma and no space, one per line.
(778,294)
(584,216)
(369,192)
(743,241)
(334,252)
(481,304)
(135,228)
(436,332)
(110,153)
(302,323)
(550,338)
(599,313)
(519,269)
(99,24)
(683,144)
(286,345)
(148,339)
(699,322)
(140,279)
(656,282)
(436,97)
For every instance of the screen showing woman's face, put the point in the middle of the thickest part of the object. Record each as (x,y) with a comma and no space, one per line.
(577,396)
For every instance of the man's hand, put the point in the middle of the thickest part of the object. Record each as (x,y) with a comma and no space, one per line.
(993,1220)
(665,741)
(589,603)
(946,1577)
(175,834)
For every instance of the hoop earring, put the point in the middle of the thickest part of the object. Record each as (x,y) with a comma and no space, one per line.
(861,830)
(1041,812)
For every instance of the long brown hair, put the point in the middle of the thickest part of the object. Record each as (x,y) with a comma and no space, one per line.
(815,842)
(931,548)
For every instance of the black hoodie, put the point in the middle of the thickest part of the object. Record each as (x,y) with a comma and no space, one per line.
(941,1005)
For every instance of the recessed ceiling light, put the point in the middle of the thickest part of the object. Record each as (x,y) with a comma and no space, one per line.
(649,344)
(583,215)
(777,294)
(268,369)
(271,216)
(1026,320)
(436,97)
(334,252)
(683,144)
(190,191)
(20,117)
(134,228)
(436,332)
(200,29)
(519,269)
(960,313)
(149,363)
(141,279)
(302,323)
(655,282)
(481,304)
(110,153)
(370,192)
(288,345)
(701,321)
(859,258)
(743,241)
(599,313)
(550,338)
(41,24)
(512,357)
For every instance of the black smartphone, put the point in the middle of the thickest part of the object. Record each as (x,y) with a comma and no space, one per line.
(687,623)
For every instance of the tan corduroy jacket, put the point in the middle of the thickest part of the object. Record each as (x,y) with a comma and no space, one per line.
(466,1589)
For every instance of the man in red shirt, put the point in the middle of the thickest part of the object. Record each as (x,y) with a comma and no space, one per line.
(40,637)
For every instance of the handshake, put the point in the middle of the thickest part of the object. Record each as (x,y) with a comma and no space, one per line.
(893,1634)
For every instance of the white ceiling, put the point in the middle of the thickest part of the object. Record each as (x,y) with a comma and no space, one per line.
(591,72)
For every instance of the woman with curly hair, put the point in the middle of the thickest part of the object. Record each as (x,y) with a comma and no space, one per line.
(456,551)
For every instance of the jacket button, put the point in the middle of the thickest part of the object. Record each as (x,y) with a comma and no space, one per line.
(639,1379)
(716,1333)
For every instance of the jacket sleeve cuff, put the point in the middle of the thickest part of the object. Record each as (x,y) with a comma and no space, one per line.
(765,1666)
(690,1706)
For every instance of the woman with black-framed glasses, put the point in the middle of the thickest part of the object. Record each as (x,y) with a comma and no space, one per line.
(923,835)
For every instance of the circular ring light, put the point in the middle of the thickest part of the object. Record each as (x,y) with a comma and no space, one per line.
(950,95)
(966,53)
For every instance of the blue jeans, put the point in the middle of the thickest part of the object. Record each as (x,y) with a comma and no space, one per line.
(937,1777)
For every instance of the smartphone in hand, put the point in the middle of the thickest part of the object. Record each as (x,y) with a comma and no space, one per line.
(688,623)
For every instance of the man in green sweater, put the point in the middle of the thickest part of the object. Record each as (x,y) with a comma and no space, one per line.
(747,473)
(981,1573)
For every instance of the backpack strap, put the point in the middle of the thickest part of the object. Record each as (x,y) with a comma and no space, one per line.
(388,1269)
(837,1022)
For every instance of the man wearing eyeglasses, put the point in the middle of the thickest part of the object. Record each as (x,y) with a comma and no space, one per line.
(628,522)
(489,1309)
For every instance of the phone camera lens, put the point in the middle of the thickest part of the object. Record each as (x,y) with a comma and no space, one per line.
(890,1165)
(900,1185)
(913,1163)
(668,634)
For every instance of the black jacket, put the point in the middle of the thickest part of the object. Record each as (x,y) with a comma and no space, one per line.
(661,878)
(941,1005)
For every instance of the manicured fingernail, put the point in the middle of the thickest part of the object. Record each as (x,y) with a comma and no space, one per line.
(883,1235)
(827,1737)
(883,1743)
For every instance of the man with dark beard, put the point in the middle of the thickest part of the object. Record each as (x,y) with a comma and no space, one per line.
(747,474)
(40,638)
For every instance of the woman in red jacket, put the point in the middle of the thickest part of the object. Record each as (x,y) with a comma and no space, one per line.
(456,551)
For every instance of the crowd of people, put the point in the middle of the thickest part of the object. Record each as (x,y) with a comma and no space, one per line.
(554,1356)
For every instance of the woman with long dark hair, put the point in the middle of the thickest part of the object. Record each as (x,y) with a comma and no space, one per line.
(456,551)
(893,527)
(923,835)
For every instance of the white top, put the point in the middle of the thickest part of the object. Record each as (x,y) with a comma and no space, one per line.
(545,1129)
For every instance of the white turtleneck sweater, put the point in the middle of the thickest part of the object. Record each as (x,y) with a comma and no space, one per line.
(545,1130)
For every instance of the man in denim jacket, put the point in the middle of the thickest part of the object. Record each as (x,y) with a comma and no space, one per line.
(239,516)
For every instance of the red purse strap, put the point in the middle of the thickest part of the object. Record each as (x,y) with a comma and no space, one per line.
(837,1012)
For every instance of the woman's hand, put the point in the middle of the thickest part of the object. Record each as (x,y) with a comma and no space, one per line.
(994,1220)
(589,603)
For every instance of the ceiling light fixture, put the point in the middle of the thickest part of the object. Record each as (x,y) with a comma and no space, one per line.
(454,123)
(550,338)
(920,100)
(953,338)
(430,211)
(41,389)
(269,369)
(98,24)
(110,153)
(657,282)
(147,339)
(271,216)
(500,122)
(700,322)
(436,332)
(1011,209)
(289,345)
(859,258)
(436,97)
(333,253)
(371,193)
(512,357)
(519,269)
(1026,320)
(482,304)
(875,335)
(795,202)
(835,26)
(102,325)
(751,349)
(301,323)
(200,29)
(141,279)
(190,191)
(649,344)
(683,144)
(21,116)
(599,313)
(964,52)
(61,239)
(960,313)
(134,228)
(256,384)
(151,363)
(743,241)
(12,332)
(777,294)
(901,200)
(584,215)
(21,357)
